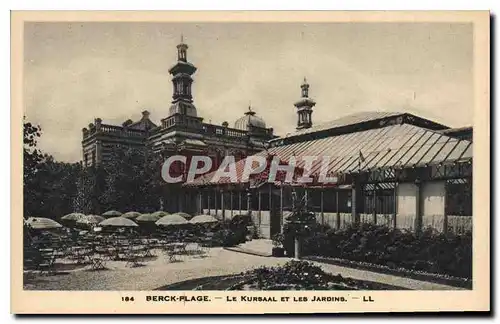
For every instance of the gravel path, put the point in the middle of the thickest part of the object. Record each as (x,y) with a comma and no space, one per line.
(160,272)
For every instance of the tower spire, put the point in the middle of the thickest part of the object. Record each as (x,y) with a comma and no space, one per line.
(182,50)
(182,81)
(304,107)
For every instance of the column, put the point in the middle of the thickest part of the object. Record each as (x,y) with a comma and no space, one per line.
(231,198)
(200,201)
(282,220)
(208,202)
(395,202)
(337,207)
(355,197)
(374,208)
(418,206)
(216,204)
(239,200)
(222,205)
(445,215)
(322,208)
(249,202)
(260,208)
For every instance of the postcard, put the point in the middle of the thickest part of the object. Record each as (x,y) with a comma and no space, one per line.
(250,162)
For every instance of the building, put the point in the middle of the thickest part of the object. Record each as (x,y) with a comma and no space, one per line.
(182,131)
(391,168)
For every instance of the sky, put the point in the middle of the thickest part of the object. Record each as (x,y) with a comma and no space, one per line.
(75,72)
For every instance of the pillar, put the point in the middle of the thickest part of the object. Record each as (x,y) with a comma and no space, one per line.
(337,207)
(208,202)
(200,201)
(418,206)
(222,205)
(445,214)
(231,197)
(239,200)
(215,203)
(355,197)
(260,208)
(249,202)
(395,202)
(282,221)
(374,211)
(322,208)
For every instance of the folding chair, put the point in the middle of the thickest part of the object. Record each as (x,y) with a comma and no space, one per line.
(47,265)
(98,264)
(171,253)
(132,258)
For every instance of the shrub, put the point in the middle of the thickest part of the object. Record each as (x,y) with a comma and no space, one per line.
(427,251)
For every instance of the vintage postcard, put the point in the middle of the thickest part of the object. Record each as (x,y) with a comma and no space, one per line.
(250,162)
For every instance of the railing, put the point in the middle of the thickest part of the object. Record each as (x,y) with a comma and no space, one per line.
(115,131)
(178,121)
(194,124)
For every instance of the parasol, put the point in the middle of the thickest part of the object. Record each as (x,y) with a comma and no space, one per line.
(203,219)
(131,215)
(118,222)
(91,220)
(42,223)
(171,220)
(144,218)
(112,213)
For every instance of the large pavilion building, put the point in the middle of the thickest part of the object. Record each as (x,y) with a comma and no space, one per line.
(390,168)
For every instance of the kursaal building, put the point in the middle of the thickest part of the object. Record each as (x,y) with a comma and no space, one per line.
(390,168)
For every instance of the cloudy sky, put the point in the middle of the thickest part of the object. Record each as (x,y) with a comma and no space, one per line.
(74,72)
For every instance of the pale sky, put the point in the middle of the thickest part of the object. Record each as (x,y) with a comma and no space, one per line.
(75,72)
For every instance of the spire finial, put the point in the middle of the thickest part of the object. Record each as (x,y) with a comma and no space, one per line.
(305,80)
(182,38)
(250,111)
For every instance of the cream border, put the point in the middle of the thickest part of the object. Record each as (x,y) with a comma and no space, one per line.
(30,302)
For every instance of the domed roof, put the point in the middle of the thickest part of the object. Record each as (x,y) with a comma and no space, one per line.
(250,119)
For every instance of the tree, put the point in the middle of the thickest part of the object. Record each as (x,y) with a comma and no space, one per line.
(32,159)
(49,186)
(132,180)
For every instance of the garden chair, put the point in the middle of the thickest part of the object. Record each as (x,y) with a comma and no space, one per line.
(171,253)
(97,263)
(132,258)
(47,264)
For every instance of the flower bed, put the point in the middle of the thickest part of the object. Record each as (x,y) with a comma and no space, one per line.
(428,251)
(294,275)
(418,275)
(301,275)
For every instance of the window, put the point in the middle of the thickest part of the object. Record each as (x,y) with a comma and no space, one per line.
(459,197)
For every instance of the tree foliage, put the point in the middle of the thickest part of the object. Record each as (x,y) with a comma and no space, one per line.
(49,187)
(132,180)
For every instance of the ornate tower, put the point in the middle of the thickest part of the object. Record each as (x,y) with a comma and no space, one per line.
(182,99)
(304,107)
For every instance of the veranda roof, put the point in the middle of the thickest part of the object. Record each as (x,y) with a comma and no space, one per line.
(399,145)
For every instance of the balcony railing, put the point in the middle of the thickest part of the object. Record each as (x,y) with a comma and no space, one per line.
(118,131)
(194,124)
